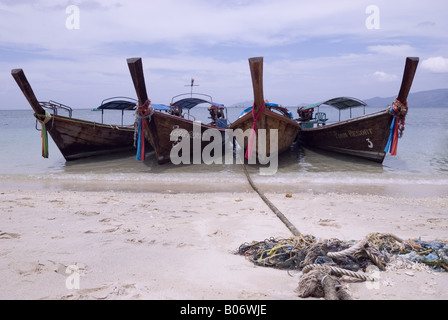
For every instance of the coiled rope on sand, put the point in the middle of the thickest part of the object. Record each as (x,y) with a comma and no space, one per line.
(297,233)
(321,261)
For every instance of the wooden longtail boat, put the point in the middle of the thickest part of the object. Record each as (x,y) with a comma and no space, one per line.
(263,117)
(158,126)
(77,138)
(369,136)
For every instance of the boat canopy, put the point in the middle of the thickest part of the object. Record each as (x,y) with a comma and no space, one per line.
(340,103)
(189,103)
(118,103)
(123,103)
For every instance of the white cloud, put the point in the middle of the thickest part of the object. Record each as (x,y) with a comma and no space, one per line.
(436,64)
(384,77)
(312,50)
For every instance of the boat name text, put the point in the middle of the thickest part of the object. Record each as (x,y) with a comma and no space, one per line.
(353,133)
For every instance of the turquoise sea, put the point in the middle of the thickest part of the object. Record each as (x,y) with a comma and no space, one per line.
(420,168)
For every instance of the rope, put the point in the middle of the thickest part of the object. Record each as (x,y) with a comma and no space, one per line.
(337,271)
(144,112)
(44,133)
(250,145)
(377,260)
(353,249)
(280,215)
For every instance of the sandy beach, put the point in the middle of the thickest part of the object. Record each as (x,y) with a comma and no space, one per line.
(66,244)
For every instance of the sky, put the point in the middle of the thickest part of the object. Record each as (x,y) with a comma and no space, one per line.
(74,52)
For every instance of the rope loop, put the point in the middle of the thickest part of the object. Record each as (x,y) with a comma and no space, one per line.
(399,110)
(145,111)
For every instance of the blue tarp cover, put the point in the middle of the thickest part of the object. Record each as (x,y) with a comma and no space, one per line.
(189,103)
(339,103)
(118,105)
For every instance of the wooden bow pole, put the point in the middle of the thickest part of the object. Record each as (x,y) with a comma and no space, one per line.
(27,91)
(408,78)
(256,71)
(138,78)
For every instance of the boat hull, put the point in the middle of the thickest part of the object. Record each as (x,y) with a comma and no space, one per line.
(287,130)
(159,129)
(364,137)
(77,139)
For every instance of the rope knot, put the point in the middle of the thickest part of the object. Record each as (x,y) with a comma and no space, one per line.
(399,110)
(146,110)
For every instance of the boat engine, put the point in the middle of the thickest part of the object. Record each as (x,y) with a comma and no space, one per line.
(305,114)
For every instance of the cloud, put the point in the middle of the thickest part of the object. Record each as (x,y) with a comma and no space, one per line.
(384,77)
(312,50)
(436,64)
(396,50)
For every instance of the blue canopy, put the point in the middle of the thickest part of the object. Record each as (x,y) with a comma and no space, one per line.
(339,103)
(124,103)
(118,103)
(189,103)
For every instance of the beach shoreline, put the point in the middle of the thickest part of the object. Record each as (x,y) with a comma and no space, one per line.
(223,182)
(181,245)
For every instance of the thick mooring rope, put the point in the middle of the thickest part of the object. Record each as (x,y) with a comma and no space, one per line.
(352,250)
(337,271)
(280,215)
(359,248)
(297,233)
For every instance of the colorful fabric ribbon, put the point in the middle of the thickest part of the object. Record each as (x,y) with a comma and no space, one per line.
(399,111)
(44,133)
(145,111)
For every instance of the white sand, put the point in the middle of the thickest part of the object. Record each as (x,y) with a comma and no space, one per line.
(130,245)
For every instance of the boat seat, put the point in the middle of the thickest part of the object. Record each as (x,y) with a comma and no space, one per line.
(321,118)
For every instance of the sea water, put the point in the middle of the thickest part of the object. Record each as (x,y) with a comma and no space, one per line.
(420,167)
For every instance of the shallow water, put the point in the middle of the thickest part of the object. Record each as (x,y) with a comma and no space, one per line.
(420,168)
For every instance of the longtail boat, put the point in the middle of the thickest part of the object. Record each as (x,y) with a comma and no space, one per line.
(370,136)
(158,127)
(77,138)
(262,116)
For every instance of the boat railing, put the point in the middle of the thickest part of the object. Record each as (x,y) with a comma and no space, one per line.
(55,106)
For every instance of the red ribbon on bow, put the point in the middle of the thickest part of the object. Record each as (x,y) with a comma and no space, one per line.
(250,145)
